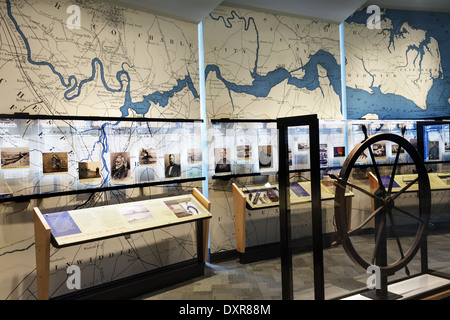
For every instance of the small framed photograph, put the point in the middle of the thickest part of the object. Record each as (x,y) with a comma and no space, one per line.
(14,158)
(221,160)
(55,162)
(89,172)
(172,168)
(147,157)
(120,167)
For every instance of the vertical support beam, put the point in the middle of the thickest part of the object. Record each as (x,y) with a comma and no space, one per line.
(202,227)
(285,214)
(42,247)
(239,204)
(421,150)
(316,207)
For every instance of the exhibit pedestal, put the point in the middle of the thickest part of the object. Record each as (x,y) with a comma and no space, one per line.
(165,212)
(242,203)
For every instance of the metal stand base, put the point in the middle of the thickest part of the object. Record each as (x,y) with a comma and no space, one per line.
(374,295)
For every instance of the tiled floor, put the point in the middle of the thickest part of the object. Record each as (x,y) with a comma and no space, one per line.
(230,280)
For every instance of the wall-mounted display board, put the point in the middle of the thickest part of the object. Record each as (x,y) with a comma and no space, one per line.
(384,152)
(434,141)
(68,228)
(44,156)
(242,147)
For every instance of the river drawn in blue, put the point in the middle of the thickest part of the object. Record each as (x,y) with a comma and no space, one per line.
(73,86)
(262,84)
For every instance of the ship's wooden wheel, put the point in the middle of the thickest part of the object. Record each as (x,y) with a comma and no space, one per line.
(385,208)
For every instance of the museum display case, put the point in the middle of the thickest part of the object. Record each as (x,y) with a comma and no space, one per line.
(74,227)
(107,159)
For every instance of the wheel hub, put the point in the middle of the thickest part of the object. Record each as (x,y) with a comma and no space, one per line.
(388,202)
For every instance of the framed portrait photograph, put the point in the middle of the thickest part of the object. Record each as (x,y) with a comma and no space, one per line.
(194,156)
(221,160)
(172,168)
(120,167)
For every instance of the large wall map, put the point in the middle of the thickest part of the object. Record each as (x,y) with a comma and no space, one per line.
(399,70)
(261,65)
(120,62)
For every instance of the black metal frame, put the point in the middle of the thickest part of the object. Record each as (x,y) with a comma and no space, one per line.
(26,116)
(285,212)
(421,150)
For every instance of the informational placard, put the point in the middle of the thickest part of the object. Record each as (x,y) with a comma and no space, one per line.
(76,226)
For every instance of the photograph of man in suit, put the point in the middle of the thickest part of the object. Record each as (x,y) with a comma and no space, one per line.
(120,167)
(173,169)
(222,163)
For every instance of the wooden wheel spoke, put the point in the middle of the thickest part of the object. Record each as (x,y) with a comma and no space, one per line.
(377,172)
(394,230)
(343,184)
(394,169)
(375,167)
(366,220)
(405,188)
(408,214)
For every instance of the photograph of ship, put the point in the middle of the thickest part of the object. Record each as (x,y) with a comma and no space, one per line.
(13,158)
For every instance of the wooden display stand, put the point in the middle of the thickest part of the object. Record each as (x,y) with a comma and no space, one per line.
(241,203)
(45,236)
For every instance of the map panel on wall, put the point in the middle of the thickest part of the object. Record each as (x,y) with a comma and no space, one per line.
(398,71)
(264,66)
(114,62)
(101,61)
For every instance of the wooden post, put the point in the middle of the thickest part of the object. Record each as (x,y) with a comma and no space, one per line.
(239,202)
(42,247)
(205,223)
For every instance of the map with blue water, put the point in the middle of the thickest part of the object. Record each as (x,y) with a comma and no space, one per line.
(398,71)
(261,65)
(117,62)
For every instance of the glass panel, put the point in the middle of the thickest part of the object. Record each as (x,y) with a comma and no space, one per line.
(437,155)
(58,155)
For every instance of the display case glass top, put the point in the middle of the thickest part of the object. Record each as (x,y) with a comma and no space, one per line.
(84,225)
